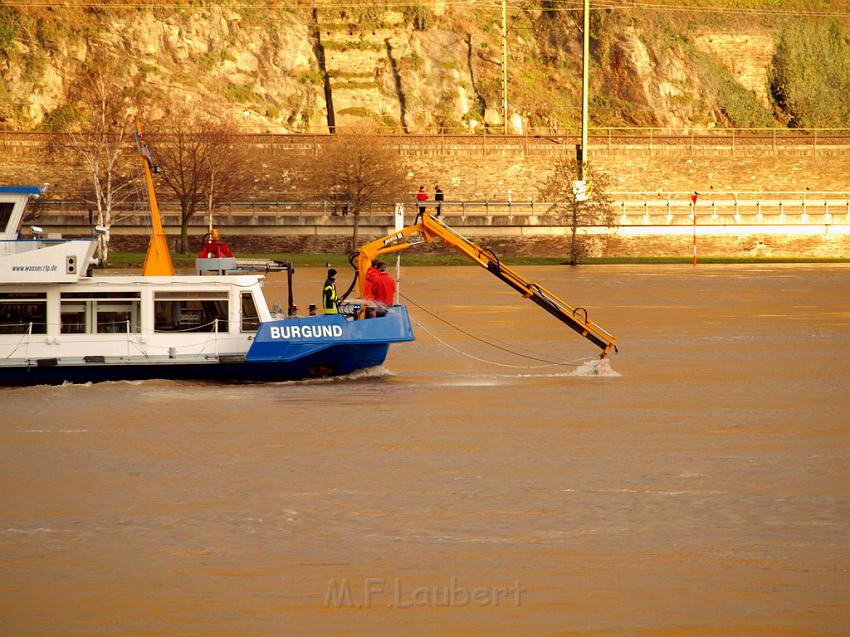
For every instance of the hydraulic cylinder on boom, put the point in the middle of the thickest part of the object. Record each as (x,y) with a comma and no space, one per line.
(428,228)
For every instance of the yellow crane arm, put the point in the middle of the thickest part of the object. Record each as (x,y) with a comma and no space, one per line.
(427,228)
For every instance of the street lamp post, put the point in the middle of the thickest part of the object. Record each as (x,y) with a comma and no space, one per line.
(585,65)
(505,65)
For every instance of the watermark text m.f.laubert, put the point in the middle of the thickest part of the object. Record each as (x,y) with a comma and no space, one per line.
(391,593)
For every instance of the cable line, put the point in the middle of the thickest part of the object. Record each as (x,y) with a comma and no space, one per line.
(547,363)
(332,5)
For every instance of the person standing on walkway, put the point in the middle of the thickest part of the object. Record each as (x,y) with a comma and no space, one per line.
(421,197)
(330,300)
(438,200)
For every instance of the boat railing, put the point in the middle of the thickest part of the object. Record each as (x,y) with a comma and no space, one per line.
(26,336)
(209,326)
(110,327)
(20,246)
(126,328)
(19,328)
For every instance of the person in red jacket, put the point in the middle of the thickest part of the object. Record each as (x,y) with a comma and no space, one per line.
(421,197)
(214,247)
(379,288)
(384,286)
(372,275)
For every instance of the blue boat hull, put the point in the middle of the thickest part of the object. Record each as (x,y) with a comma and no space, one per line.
(291,349)
(333,361)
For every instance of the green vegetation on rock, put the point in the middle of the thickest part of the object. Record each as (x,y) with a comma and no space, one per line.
(810,79)
(740,106)
(240,93)
(9,29)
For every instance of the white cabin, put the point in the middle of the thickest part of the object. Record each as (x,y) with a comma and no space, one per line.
(51,306)
(131,316)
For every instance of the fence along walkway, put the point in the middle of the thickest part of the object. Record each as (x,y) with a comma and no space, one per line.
(630,209)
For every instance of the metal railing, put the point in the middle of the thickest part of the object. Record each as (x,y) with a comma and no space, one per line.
(770,140)
(734,212)
(670,207)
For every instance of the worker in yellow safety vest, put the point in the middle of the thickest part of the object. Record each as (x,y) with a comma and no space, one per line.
(330,301)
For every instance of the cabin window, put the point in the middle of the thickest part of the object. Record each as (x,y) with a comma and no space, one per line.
(190,311)
(100,312)
(6,208)
(250,318)
(23,312)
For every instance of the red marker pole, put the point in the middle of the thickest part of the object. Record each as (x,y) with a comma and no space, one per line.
(694,212)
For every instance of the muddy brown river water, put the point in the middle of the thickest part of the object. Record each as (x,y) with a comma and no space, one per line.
(700,487)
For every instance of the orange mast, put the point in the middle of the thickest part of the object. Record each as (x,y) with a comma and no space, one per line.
(158,258)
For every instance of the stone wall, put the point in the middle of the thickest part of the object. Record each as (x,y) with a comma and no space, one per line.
(490,176)
(477,170)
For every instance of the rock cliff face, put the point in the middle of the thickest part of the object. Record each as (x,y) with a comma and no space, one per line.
(430,70)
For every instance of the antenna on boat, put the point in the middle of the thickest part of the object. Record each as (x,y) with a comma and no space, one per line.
(158,258)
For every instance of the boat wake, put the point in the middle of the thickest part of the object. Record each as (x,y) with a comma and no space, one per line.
(586,369)
(596,367)
(361,374)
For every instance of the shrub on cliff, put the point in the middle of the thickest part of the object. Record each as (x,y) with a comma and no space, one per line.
(8,29)
(810,78)
(737,105)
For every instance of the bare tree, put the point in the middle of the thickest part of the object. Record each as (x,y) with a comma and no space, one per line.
(358,170)
(97,136)
(577,206)
(200,162)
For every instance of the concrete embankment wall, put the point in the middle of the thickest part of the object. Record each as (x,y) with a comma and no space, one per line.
(817,242)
